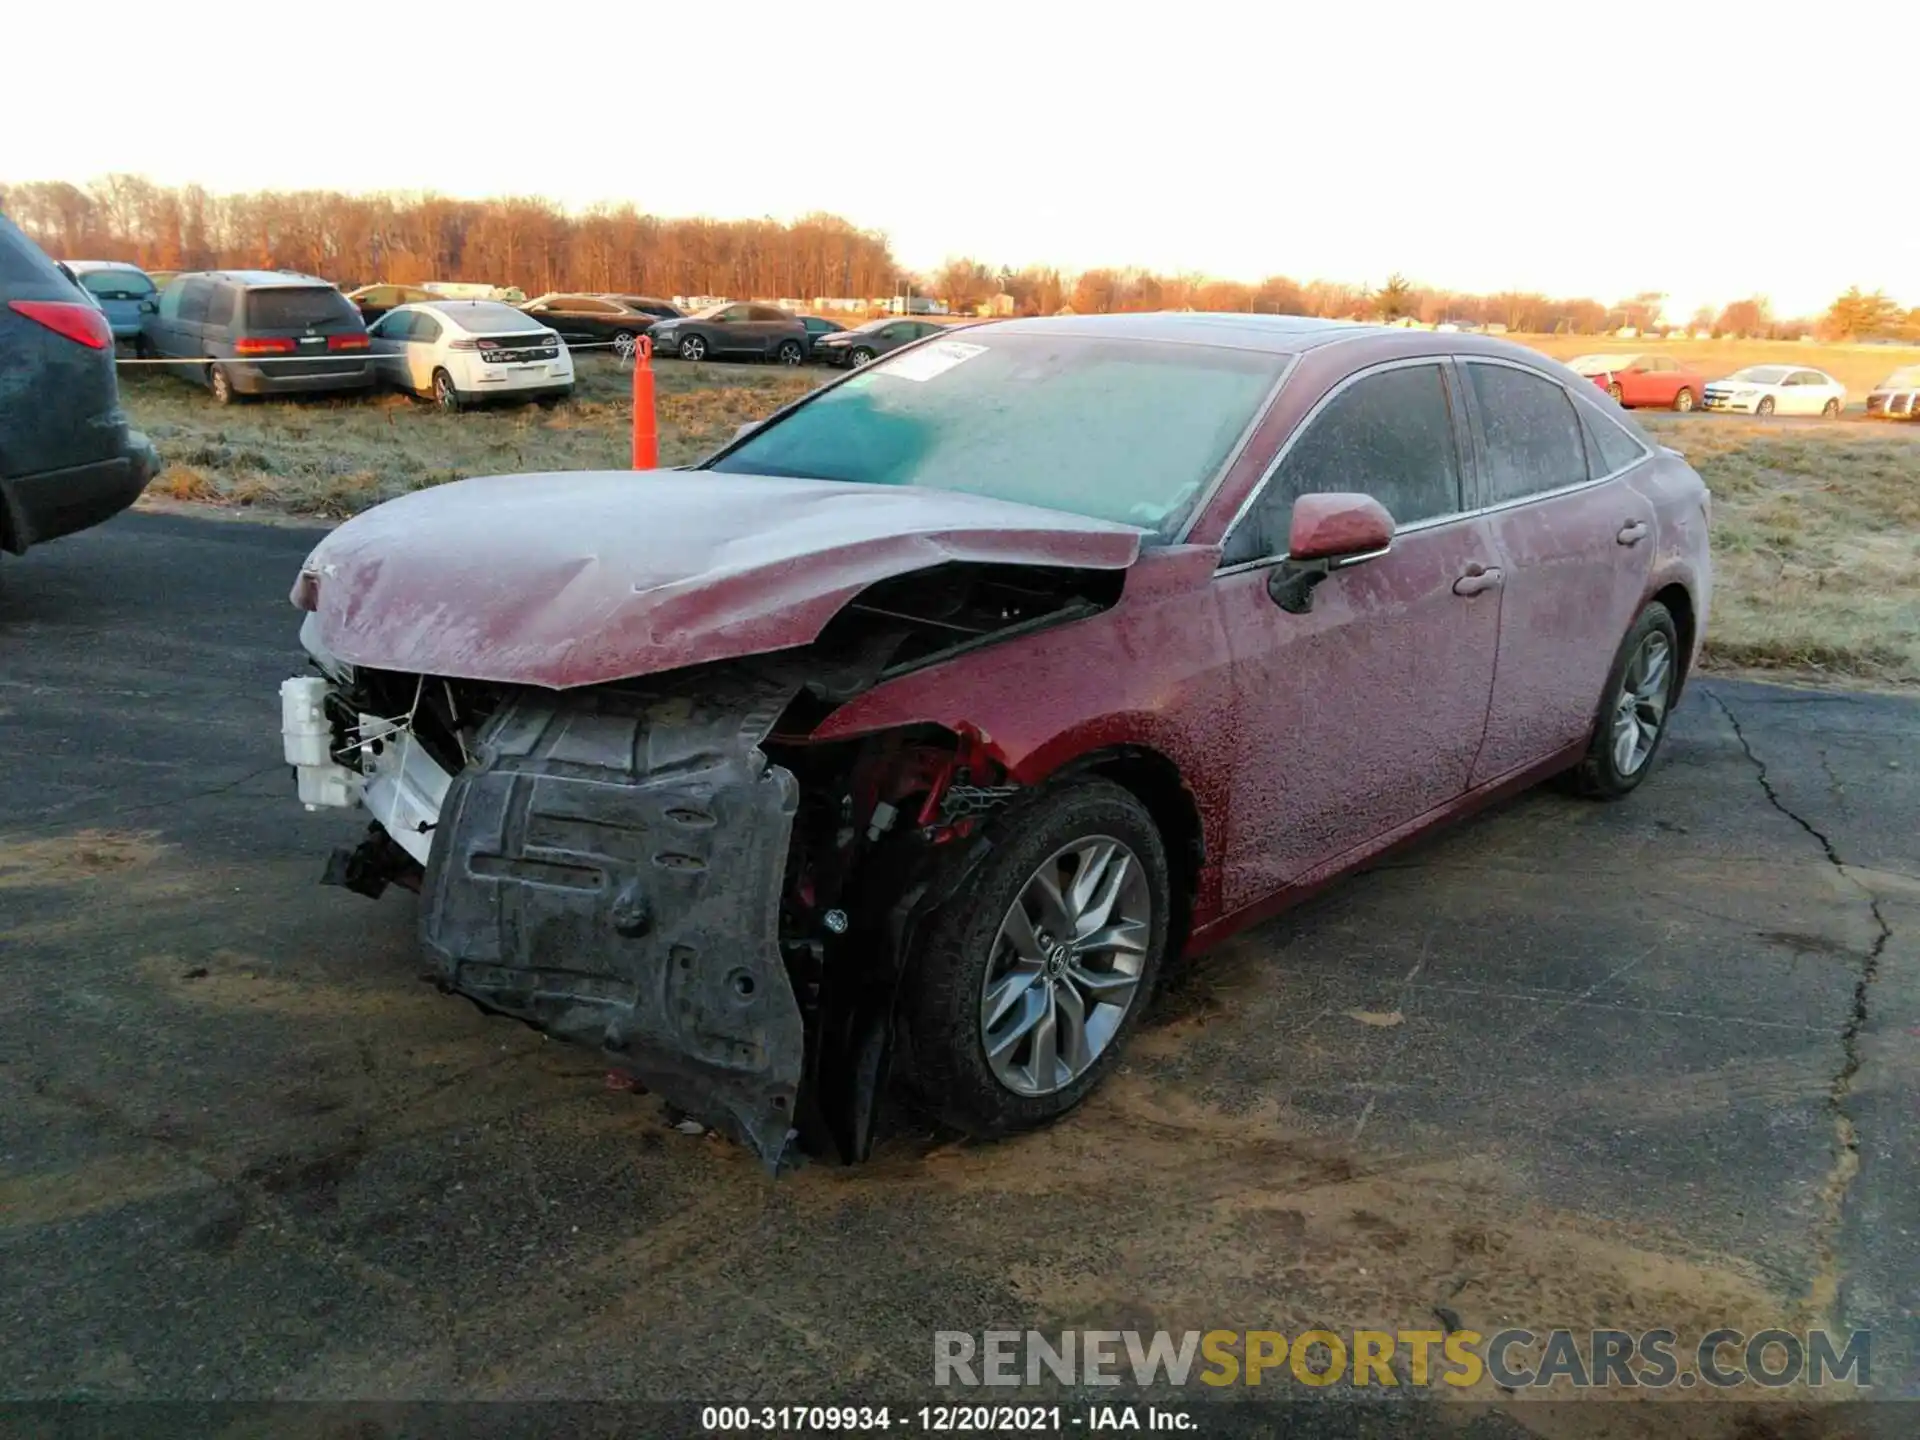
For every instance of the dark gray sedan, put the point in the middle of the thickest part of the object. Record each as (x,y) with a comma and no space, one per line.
(875,338)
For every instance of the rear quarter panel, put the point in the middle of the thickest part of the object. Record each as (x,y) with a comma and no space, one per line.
(1682,508)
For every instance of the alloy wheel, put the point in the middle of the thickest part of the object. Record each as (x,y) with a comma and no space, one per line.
(1640,709)
(693,348)
(1066,965)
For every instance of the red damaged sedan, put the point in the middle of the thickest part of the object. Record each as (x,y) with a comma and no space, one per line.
(913,733)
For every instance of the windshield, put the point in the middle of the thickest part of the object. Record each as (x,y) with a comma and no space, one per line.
(1903,379)
(117,284)
(1124,430)
(1761,374)
(1601,364)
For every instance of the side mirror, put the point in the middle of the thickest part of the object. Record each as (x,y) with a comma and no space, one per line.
(1328,533)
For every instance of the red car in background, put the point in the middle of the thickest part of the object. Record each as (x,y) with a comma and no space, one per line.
(934,714)
(1657,381)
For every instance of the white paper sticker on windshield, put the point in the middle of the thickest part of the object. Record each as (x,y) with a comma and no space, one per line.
(927,361)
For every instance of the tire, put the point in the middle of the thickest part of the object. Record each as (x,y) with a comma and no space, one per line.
(1619,395)
(1607,773)
(1683,401)
(445,393)
(221,386)
(1765,407)
(791,352)
(858,356)
(1830,411)
(962,949)
(694,347)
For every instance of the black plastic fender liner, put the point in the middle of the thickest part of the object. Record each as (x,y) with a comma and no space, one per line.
(609,867)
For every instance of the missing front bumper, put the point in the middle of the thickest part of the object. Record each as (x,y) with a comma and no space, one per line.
(609,868)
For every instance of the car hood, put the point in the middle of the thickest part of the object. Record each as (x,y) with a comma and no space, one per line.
(582,578)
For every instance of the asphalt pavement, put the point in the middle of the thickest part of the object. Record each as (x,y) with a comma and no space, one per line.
(1646,1064)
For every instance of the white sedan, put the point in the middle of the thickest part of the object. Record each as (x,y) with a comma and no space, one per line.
(1777,390)
(460,351)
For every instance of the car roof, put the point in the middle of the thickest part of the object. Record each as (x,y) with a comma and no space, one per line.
(260,279)
(1279,334)
(88,267)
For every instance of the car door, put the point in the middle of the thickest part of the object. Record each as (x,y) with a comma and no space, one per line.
(423,350)
(732,331)
(1574,541)
(1812,391)
(771,325)
(1363,714)
(162,329)
(190,322)
(386,337)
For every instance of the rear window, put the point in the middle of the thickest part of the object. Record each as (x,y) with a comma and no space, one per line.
(484,317)
(290,309)
(117,284)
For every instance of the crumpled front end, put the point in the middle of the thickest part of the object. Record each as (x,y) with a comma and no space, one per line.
(607,866)
(611,872)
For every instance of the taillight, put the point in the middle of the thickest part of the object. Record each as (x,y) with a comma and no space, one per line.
(80,323)
(346,342)
(463,344)
(262,345)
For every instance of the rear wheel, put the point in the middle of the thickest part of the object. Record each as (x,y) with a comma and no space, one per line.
(1683,402)
(445,393)
(694,347)
(1025,985)
(1633,716)
(624,344)
(1831,410)
(220,385)
(791,352)
(1765,407)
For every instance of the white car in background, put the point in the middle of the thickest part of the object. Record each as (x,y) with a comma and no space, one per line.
(457,352)
(1778,390)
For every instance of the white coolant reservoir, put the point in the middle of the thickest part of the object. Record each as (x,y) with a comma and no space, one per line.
(307,738)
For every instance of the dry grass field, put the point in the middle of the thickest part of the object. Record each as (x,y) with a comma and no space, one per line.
(1816,525)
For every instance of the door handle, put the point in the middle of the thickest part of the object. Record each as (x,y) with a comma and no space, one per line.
(1477,578)
(1632,533)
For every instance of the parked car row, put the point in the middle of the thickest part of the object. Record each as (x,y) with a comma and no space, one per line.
(1665,382)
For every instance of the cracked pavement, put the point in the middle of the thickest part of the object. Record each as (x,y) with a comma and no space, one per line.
(1643,1064)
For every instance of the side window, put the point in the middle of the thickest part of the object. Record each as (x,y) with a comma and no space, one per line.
(1532,433)
(220,306)
(424,330)
(1388,435)
(398,325)
(1809,377)
(1609,448)
(768,312)
(897,331)
(193,303)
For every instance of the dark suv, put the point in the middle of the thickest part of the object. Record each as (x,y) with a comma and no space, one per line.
(760,332)
(260,332)
(67,458)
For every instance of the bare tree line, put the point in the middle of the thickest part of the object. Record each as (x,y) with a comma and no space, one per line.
(353,239)
(533,243)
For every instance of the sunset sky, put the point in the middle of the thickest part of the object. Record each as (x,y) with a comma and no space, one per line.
(1471,146)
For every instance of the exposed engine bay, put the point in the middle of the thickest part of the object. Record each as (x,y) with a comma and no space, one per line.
(669,868)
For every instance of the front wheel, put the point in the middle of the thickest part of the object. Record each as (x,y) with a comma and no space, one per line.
(1024,985)
(1765,407)
(445,393)
(859,356)
(694,347)
(1830,411)
(1683,402)
(1633,716)
(1619,395)
(791,352)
